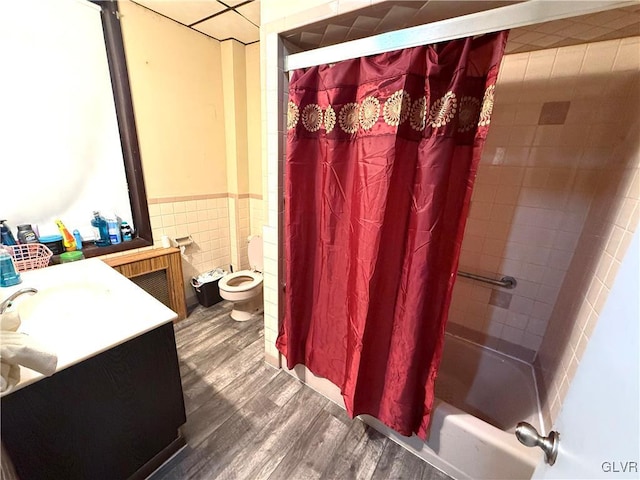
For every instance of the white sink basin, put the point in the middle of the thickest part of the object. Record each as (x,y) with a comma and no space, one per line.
(65,309)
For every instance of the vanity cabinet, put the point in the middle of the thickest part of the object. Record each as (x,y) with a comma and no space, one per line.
(113,416)
(157,271)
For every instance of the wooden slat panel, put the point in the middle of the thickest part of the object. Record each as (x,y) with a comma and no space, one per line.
(141,263)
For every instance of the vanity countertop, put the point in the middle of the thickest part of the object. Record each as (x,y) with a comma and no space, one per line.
(82,309)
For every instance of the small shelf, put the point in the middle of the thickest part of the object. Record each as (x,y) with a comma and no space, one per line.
(90,250)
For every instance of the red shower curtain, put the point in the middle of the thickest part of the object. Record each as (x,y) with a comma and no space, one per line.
(382,153)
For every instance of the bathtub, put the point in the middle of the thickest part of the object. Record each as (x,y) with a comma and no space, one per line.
(481,396)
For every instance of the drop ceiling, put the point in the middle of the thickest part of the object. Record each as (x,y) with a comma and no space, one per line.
(240,20)
(222,20)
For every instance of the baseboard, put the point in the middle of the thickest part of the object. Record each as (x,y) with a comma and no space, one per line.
(163,456)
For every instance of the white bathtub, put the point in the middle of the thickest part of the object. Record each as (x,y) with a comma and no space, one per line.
(482,395)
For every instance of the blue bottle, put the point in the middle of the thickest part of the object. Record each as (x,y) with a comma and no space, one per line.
(8,274)
(101,230)
(114,231)
(78,238)
(5,233)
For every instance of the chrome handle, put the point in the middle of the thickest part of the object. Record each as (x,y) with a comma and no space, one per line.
(505,282)
(529,436)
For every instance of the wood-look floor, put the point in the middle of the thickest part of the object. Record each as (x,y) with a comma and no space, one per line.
(248,420)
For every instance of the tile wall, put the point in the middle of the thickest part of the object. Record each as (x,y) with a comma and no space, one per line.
(558,116)
(219,224)
(206,219)
(605,238)
(274,99)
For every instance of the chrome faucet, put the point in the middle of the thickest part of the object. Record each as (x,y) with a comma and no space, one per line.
(6,303)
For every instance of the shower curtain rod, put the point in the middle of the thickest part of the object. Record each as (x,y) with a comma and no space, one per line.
(511,16)
(506,281)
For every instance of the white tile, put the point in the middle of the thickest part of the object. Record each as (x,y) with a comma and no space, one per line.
(517,320)
(494,329)
(531,341)
(548,294)
(599,58)
(542,311)
(513,335)
(521,305)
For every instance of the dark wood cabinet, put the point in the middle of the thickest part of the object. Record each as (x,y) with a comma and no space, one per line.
(113,416)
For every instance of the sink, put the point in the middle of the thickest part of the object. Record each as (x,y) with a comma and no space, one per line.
(64,309)
(81,310)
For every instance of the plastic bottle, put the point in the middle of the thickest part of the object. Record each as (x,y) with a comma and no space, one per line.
(101,230)
(78,239)
(6,234)
(114,231)
(126,231)
(67,239)
(9,276)
(26,234)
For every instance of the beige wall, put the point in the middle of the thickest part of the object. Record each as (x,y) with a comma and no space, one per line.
(190,97)
(176,85)
(235,105)
(254,138)
(254,110)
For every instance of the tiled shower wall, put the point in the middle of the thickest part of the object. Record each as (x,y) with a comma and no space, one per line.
(558,116)
(605,238)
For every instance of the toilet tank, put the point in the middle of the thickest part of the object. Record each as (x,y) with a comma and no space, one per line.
(255,253)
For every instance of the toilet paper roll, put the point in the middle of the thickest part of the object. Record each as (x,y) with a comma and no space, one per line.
(166,241)
(182,250)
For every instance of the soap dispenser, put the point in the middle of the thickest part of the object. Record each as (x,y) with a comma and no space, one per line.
(5,233)
(8,274)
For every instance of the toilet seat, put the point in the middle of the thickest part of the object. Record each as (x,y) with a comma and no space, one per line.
(233,282)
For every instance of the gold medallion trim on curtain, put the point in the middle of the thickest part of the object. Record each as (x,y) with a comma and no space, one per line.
(471,112)
(292,115)
(329,119)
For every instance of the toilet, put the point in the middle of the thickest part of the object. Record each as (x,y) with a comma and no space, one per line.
(244,288)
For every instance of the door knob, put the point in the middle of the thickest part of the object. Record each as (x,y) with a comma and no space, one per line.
(529,436)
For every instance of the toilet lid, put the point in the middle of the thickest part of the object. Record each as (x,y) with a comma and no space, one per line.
(255,253)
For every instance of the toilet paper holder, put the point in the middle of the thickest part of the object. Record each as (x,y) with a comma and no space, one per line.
(182,242)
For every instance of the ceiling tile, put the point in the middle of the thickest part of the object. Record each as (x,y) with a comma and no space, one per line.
(186,11)
(363,22)
(335,34)
(251,11)
(625,21)
(311,38)
(591,33)
(395,18)
(549,27)
(233,3)
(230,24)
(547,41)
